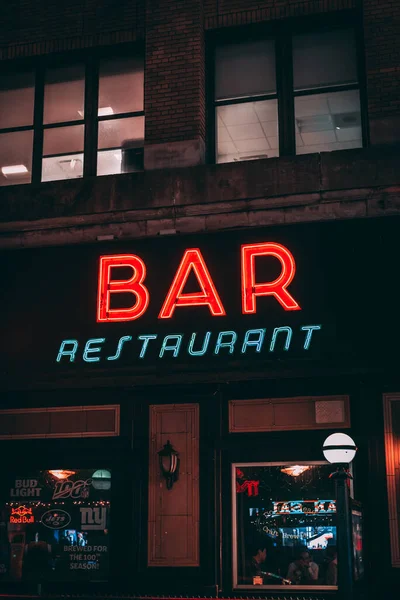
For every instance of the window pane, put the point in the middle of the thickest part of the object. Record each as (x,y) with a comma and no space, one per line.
(64,94)
(17,93)
(285,525)
(57,518)
(121,133)
(326,122)
(127,160)
(245,70)
(16,157)
(121,86)
(63,140)
(68,166)
(324,59)
(247,131)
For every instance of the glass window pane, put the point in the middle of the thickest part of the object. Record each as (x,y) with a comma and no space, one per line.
(326,122)
(121,133)
(247,131)
(285,525)
(63,140)
(16,157)
(121,86)
(17,92)
(127,160)
(64,94)
(245,69)
(68,166)
(324,59)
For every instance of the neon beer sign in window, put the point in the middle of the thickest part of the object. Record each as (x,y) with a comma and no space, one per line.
(253,290)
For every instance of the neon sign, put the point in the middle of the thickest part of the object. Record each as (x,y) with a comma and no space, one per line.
(22,514)
(193,261)
(137,294)
(195,344)
(310,507)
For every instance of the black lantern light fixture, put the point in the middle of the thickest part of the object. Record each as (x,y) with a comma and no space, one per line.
(169,464)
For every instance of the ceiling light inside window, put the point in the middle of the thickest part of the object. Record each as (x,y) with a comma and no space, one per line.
(103,111)
(14,170)
(61,473)
(315,123)
(295,470)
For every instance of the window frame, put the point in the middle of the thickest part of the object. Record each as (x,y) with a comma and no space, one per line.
(283,33)
(235,586)
(392,494)
(90,59)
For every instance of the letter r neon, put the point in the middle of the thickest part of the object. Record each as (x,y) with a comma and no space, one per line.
(276,288)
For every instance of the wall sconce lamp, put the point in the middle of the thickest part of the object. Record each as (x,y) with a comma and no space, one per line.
(169,464)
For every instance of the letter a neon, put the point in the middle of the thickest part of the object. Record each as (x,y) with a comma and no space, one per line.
(208,296)
(134,285)
(276,288)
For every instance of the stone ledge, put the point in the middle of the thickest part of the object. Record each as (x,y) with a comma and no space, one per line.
(343,204)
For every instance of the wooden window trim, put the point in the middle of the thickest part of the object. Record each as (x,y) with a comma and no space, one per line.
(388,401)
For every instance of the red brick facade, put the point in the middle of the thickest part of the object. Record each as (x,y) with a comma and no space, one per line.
(174,35)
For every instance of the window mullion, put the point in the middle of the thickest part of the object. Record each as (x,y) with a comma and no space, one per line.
(38,125)
(91,109)
(284,84)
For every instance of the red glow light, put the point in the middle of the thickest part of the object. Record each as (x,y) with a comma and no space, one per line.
(277,288)
(134,285)
(208,296)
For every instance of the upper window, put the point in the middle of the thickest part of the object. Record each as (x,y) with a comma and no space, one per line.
(67,121)
(288,95)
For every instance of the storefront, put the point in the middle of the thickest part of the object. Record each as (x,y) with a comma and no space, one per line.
(244,349)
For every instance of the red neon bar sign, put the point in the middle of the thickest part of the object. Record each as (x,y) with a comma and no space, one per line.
(193,261)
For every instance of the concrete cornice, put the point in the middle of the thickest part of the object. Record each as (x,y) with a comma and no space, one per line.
(339,185)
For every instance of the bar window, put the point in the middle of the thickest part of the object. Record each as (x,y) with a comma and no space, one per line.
(120,116)
(55,525)
(326,90)
(246,102)
(17,93)
(284,526)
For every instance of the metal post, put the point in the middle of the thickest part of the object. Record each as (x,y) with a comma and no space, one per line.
(344,533)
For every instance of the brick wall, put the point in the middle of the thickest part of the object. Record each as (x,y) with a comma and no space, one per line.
(174,83)
(174,95)
(30,27)
(225,13)
(382,56)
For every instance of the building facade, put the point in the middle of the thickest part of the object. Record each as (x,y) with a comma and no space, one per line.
(199,203)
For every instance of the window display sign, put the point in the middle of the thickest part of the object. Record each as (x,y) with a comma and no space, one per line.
(299,293)
(290,541)
(58,529)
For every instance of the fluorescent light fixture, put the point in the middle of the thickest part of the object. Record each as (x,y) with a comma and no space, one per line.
(315,123)
(102,112)
(14,170)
